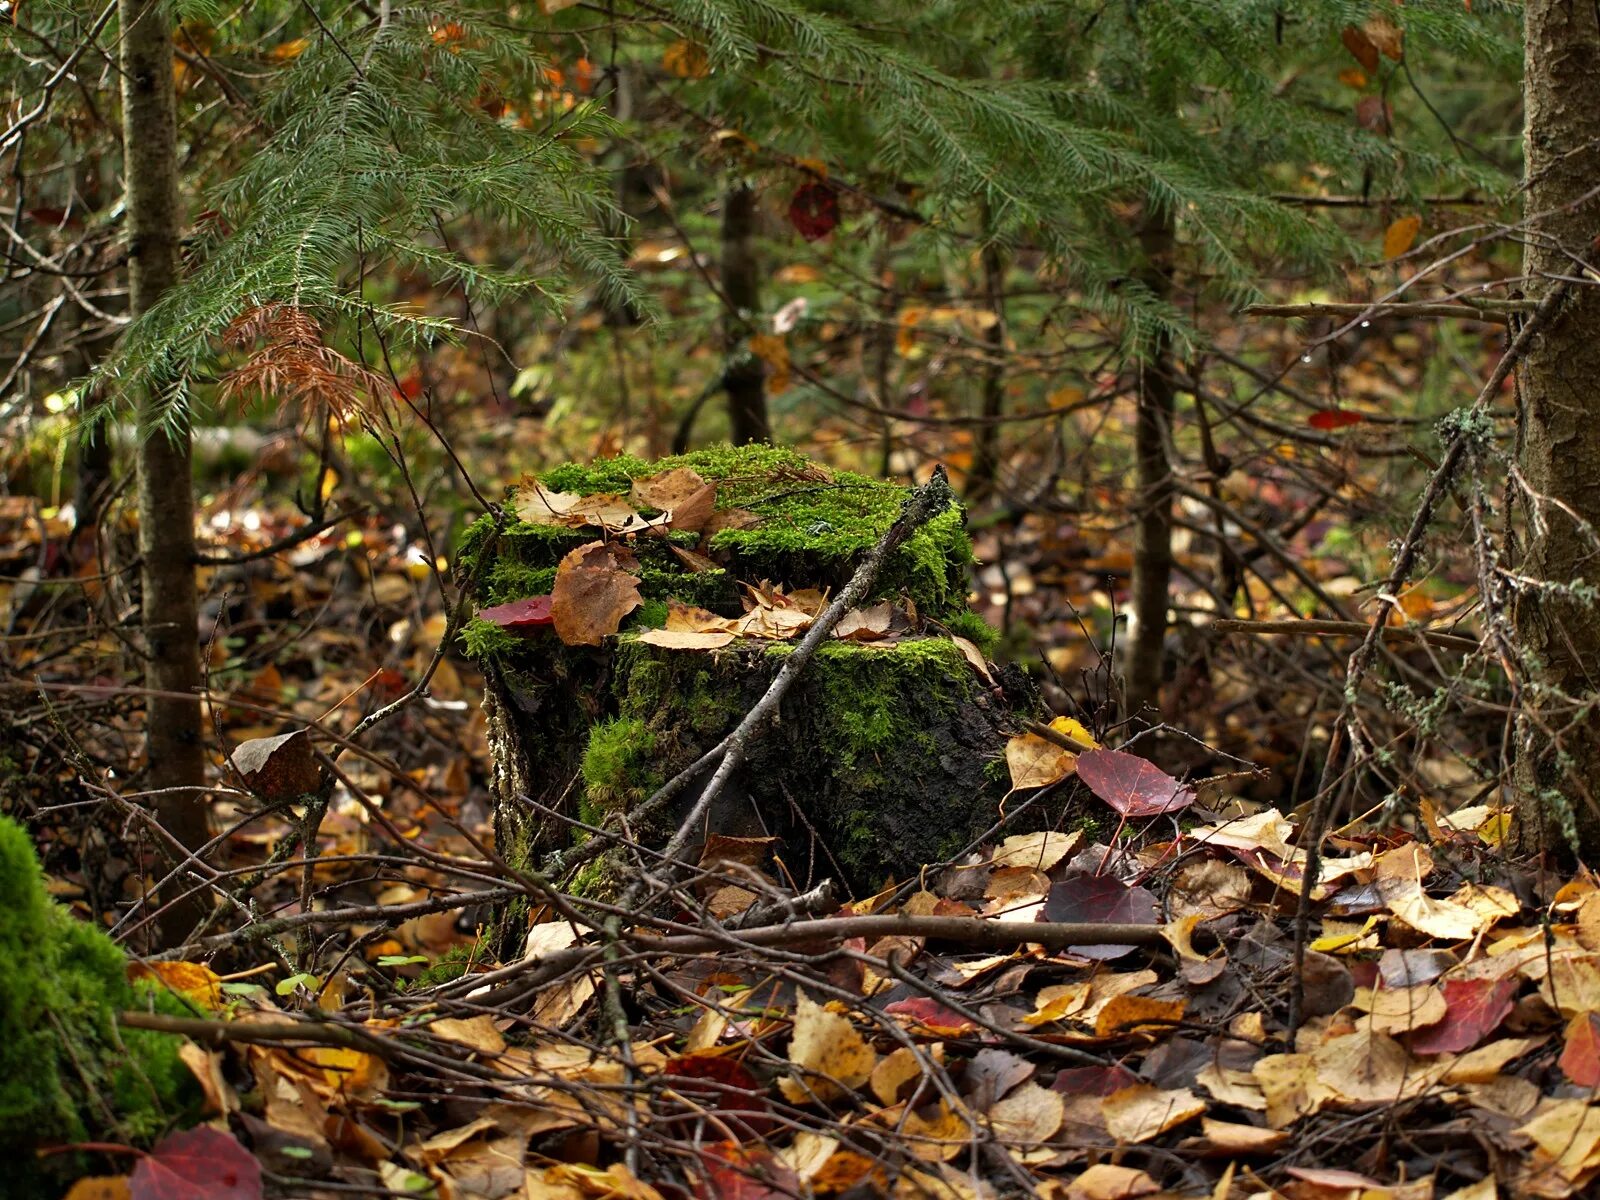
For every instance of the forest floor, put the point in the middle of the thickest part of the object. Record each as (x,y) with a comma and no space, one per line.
(1052,1015)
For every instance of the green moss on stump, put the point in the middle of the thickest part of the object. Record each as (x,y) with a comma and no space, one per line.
(884,758)
(814,528)
(67,1072)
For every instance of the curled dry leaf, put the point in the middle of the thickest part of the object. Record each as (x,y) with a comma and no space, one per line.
(594,589)
(278,769)
(687,500)
(537,505)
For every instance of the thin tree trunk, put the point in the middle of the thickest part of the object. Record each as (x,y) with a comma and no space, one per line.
(985,475)
(1152,535)
(175,763)
(744,377)
(1559,424)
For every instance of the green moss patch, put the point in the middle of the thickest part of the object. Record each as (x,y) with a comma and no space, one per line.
(814,525)
(67,1072)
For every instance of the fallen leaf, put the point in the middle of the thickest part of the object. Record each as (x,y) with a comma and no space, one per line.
(192,981)
(278,769)
(1141,1112)
(1106,1181)
(198,1164)
(1226,1137)
(1360,46)
(1402,1010)
(520,616)
(1134,786)
(1580,1057)
(594,590)
(686,498)
(1102,900)
(1037,762)
(685,639)
(1475,1009)
(1036,851)
(537,505)
(829,1052)
(1027,1116)
(1129,1014)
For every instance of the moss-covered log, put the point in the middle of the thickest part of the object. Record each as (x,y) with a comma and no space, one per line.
(886,757)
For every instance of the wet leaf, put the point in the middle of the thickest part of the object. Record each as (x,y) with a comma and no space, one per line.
(520,616)
(1134,786)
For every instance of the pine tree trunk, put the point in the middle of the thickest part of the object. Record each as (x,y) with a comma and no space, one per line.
(744,378)
(1560,418)
(1152,535)
(175,763)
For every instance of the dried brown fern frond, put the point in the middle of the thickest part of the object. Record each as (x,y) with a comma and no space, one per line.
(294,366)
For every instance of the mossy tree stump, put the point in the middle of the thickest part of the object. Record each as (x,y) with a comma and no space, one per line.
(884,758)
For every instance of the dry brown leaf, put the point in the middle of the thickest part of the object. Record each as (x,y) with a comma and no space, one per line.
(1226,1137)
(865,624)
(1036,851)
(1487,1062)
(1130,1014)
(1240,1089)
(1567,1133)
(938,1134)
(206,1066)
(477,1032)
(829,1052)
(1290,1088)
(1386,36)
(1106,1181)
(537,505)
(1027,1116)
(1208,887)
(560,1003)
(1400,1010)
(1138,1113)
(687,500)
(1058,1002)
(1035,762)
(898,1068)
(975,659)
(594,590)
(1365,1067)
(1440,919)
(685,639)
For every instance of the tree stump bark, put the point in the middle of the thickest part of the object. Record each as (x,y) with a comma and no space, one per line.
(884,758)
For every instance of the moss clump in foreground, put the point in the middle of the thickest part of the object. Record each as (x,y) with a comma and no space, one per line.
(883,758)
(67,1072)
